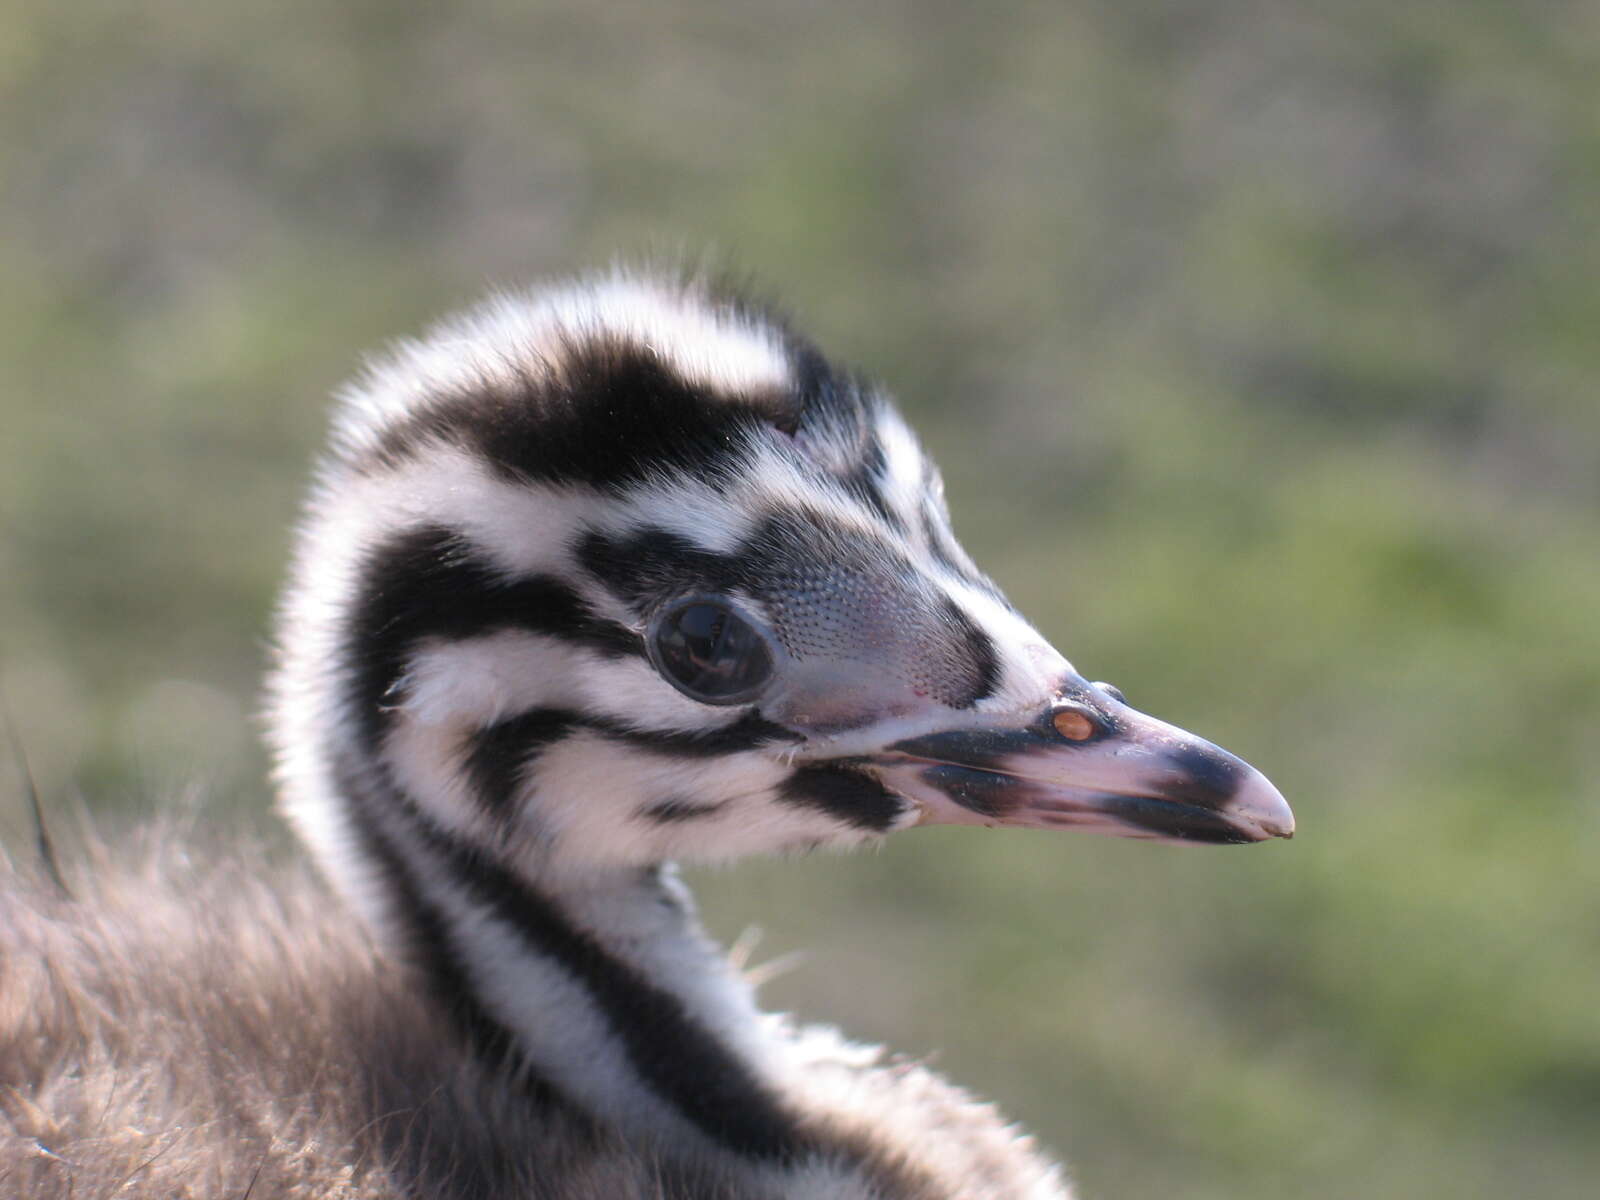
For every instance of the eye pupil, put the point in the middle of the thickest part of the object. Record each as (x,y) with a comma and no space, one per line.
(709,653)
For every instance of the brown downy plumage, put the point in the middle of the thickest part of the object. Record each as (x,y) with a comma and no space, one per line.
(208,1022)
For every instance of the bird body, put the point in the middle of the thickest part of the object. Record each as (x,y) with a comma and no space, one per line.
(593,580)
(208,1022)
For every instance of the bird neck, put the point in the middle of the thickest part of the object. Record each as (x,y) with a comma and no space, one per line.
(596,983)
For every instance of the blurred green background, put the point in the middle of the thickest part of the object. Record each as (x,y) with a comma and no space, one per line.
(1258,341)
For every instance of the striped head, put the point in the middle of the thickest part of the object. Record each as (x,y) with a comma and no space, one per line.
(626,571)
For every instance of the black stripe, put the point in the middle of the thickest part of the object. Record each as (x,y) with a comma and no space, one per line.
(938,538)
(604,412)
(652,563)
(865,481)
(984,749)
(749,732)
(843,412)
(1168,820)
(984,792)
(825,396)
(847,795)
(837,406)
(1209,775)
(981,659)
(674,810)
(499,755)
(430,582)
(674,1055)
(426,943)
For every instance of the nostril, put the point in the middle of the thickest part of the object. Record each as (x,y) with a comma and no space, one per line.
(1074,724)
(1111,690)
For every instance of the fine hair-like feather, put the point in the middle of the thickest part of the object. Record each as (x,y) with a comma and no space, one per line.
(205,1021)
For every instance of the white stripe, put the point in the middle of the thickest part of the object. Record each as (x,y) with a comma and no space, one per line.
(594,827)
(645,924)
(1029,666)
(905,469)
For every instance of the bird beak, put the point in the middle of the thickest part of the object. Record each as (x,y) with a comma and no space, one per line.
(1089,762)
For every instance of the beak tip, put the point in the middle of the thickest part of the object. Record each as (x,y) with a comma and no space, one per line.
(1259,804)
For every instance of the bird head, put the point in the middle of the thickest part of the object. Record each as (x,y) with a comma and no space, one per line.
(627,571)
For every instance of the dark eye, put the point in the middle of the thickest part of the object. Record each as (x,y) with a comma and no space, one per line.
(708,652)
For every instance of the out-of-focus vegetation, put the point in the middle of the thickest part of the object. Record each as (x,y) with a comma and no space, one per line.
(1260,343)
